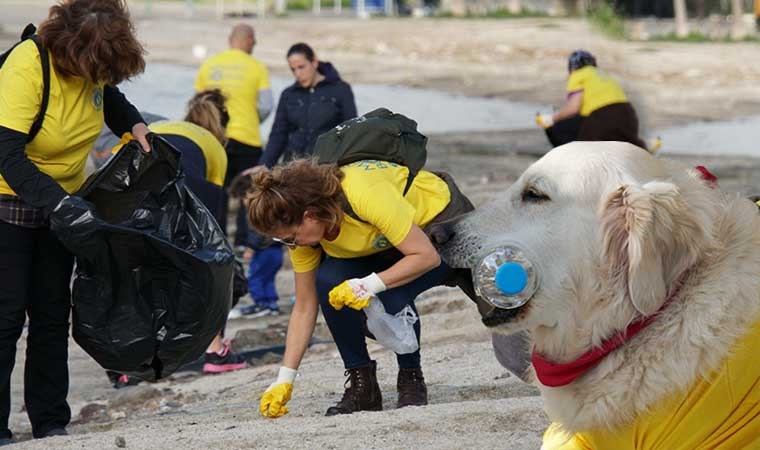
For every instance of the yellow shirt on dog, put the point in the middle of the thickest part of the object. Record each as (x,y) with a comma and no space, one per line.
(723,413)
(375,192)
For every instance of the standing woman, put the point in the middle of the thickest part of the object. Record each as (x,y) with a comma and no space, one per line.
(92,47)
(386,256)
(317,101)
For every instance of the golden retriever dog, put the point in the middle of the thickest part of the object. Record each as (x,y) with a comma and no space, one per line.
(640,291)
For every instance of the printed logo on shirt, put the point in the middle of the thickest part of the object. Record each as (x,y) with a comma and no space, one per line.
(373,164)
(381,242)
(97,98)
(216,74)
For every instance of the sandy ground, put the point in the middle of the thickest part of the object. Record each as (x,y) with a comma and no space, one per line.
(474,402)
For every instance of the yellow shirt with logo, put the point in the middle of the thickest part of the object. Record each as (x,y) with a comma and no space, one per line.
(240,77)
(375,191)
(213,152)
(599,89)
(722,413)
(73,120)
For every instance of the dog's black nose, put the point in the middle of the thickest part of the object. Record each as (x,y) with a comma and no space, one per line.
(442,233)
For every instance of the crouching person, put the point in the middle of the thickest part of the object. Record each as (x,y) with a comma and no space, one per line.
(354,238)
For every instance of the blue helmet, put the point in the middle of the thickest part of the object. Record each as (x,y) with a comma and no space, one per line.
(579,59)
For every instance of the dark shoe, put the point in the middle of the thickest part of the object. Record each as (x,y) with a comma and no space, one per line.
(411,388)
(7,441)
(362,392)
(252,312)
(226,361)
(120,380)
(54,432)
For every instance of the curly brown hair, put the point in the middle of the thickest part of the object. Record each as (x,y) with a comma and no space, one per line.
(278,198)
(93,39)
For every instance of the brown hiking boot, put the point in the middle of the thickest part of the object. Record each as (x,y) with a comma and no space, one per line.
(411,388)
(362,392)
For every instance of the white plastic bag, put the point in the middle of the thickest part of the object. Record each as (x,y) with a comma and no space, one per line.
(394,332)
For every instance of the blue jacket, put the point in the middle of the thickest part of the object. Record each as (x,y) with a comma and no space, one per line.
(303,114)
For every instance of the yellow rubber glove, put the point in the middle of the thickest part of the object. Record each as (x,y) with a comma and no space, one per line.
(356,292)
(278,394)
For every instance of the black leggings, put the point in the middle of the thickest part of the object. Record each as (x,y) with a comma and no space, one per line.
(239,158)
(35,272)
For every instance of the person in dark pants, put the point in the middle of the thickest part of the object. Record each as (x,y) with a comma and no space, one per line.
(317,101)
(91,47)
(596,108)
(244,82)
(342,263)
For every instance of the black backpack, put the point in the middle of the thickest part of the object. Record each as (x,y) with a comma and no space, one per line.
(29,33)
(378,135)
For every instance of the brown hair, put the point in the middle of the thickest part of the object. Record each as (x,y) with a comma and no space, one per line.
(206,109)
(93,39)
(279,197)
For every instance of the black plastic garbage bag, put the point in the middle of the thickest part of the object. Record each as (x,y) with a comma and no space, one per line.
(154,273)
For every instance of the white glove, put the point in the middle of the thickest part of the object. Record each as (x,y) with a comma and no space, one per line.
(545,120)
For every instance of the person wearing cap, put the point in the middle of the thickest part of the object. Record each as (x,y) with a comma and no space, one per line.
(596,108)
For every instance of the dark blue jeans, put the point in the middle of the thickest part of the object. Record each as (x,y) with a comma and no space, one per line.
(265,264)
(347,326)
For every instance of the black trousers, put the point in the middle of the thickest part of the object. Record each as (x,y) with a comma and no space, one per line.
(239,158)
(35,274)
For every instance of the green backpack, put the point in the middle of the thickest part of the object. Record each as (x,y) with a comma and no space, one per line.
(378,135)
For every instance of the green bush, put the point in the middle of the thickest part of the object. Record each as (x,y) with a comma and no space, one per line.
(607,20)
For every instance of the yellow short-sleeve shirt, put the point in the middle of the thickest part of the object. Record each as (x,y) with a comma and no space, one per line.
(375,191)
(599,89)
(720,412)
(73,120)
(240,77)
(213,152)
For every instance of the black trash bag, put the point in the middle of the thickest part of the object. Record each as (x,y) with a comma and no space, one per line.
(154,272)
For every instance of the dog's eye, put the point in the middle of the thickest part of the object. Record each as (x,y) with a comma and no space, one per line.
(531,195)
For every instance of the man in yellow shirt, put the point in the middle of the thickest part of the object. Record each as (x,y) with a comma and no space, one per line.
(244,82)
(596,108)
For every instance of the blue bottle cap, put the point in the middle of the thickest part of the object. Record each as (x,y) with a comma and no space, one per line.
(511,278)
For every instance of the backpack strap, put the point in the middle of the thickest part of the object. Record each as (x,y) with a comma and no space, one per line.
(45,60)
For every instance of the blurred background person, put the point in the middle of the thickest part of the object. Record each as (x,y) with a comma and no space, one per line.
(596,108)
(91,47)
(244,82)
(317,101)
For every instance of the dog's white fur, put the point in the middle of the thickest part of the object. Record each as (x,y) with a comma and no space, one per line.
(619,230)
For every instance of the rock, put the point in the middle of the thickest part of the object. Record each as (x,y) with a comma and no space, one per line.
(91,412)
(120,441)
(116,415)
(133,397)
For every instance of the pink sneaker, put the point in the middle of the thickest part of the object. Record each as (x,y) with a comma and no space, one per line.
(224,361)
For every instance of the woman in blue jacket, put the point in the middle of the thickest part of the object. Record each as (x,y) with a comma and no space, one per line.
(315,103)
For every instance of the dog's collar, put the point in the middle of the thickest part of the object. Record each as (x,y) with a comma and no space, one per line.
(556,375)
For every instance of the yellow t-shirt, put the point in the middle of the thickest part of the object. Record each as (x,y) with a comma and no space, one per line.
(73,120)
(240,77)
(375,191)
(599,89)
(723,413)
(213,152)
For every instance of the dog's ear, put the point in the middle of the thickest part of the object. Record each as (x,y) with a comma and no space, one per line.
(649,237)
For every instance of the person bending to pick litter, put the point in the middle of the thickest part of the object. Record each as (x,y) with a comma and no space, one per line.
(596,108)
(375,250)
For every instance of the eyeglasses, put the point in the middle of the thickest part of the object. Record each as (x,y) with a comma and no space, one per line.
(289,242)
